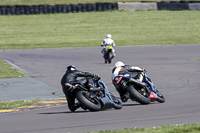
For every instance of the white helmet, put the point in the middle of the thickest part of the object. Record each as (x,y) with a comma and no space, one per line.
(109,36)
(119,64)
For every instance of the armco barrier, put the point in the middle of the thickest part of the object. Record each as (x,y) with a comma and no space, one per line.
(131,6)
(194,6)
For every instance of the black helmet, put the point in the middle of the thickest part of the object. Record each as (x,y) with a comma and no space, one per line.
(71,68)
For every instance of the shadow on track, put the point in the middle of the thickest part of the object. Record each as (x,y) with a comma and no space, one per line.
(81,111)
(130,104)
(66,112)
(137,104)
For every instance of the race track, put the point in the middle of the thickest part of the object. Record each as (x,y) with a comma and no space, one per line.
(174,69)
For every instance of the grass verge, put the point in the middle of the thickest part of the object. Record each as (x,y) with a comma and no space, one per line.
(15,104)
(7,71)
(88,29)
(185,128)
(193,59)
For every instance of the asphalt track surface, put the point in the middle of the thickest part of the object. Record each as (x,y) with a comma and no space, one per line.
(174,69)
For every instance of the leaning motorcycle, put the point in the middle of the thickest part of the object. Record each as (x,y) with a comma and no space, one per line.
(95,100)
(143,92)
(108,54)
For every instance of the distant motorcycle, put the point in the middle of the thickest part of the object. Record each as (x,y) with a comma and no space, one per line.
(96,100)
(108,54)
(143,92)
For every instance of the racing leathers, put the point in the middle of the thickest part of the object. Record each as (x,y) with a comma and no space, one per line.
(122,70)
(68,78)
(106,43)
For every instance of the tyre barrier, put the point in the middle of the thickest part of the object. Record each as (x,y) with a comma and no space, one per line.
(178,5)
(51,9)
(174,6)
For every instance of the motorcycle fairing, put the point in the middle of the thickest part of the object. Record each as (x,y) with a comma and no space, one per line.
(107,100)
(108,48)
(153,96)
(150,83)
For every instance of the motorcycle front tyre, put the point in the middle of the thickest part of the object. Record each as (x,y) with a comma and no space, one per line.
(117,103)
(134,94)
(160,98)
(87,102)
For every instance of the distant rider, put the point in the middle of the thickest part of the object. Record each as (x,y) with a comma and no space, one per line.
(121,69)
(69,77)
(108,42)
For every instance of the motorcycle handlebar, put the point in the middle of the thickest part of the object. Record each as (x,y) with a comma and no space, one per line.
(79,85)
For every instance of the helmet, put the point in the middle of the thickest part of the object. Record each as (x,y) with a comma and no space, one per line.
(71,68)
(109,36)
(119,64)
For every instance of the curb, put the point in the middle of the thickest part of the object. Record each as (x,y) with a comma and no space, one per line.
(41,104)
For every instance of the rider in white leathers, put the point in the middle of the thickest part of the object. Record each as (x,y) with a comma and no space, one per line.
(108,42)
(121,69)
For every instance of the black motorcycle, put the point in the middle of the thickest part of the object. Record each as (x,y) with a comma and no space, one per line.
(143,92)
(95,100)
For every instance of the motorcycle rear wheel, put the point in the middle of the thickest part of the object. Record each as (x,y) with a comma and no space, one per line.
(109,57)
(134,94)
(117,103)
(90,103)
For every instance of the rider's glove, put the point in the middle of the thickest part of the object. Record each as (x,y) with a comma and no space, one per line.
(144,70)
(96,77)
(69,87)
(101,45)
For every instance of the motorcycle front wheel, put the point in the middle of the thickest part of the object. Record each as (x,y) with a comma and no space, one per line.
(88,102)
(117,103)
(160,98)
(134,94)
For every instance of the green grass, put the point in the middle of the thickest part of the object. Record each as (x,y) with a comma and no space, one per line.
(52,2)
(185,128)
(15,104)
(7,71)
(193,59)
(88,29)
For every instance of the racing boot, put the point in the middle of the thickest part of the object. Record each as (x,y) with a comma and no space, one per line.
(125,97)
(74,107)
(113,55)
(83,107)
(105,61)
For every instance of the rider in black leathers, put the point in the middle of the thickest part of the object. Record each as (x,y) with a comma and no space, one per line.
(69,77)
